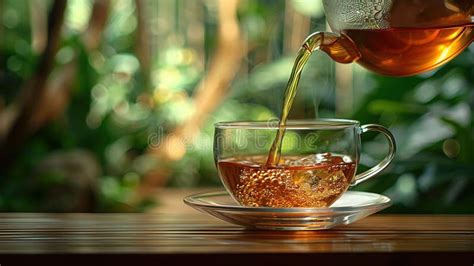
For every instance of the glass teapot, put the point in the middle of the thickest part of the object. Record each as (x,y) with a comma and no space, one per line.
(395,37)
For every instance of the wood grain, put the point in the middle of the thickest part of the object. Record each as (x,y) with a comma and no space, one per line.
(175,233)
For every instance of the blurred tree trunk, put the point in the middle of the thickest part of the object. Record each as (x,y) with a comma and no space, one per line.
(297,28)
(38,22)
(210,93)
(100,14)
(1,19)
(43,99)
(34,88)
(142,42)
(57,98)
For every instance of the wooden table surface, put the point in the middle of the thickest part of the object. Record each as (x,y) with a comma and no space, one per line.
(175,233)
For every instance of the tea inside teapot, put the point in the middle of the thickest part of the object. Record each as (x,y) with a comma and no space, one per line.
(391,37)
(399,37)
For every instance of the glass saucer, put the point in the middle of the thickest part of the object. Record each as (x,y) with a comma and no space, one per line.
(352,206)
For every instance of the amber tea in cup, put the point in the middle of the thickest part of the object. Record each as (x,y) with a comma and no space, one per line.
(318,161)
(314,180)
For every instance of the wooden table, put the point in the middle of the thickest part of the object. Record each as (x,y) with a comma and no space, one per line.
(175,234)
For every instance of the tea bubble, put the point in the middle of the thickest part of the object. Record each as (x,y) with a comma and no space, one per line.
(311,181)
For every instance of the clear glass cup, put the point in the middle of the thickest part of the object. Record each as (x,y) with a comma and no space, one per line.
(395,37)
(318,162)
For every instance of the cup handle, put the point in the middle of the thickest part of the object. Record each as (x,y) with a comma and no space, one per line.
(392,147)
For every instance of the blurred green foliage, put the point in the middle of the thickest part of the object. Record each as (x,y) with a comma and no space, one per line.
(114,107)
(431,118)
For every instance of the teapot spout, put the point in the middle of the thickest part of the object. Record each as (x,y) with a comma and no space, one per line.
(337,46)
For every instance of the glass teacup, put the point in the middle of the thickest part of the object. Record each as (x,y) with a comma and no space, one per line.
(318,162)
